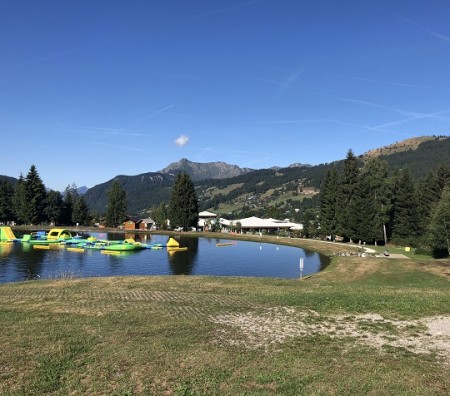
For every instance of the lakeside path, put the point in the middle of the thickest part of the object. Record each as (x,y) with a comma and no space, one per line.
(362,326)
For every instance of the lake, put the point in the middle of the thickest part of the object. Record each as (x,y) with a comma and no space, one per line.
(20,261)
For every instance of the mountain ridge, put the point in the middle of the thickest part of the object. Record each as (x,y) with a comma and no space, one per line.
(265,186)
(397,147)
(207,170)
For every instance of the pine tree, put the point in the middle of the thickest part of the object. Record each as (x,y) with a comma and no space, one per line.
(80,213)
(310,224)
(117,206)
(361,210)
(20,201)
(380,199)
(439,230)
(370,204)
(443,175)
(6,202)
(36,196)
(405,220)
(183,205)
(70,197)
(328,198)
(346,186)
(160,216)
(428,195)
(54,207)
(273,212)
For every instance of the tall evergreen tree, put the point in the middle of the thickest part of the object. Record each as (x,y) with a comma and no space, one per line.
(36,196)
(183,204)
(439,230)
(6,202)
(116,207)
(70,197)
(80,213)
(369,207)
(310,223)
(160,216)
(347,183)
(361,210)
(428,195)
(405,227)
(54,207)
(20,199)
(443,175)
(328,202)
(274,212)
(380,198)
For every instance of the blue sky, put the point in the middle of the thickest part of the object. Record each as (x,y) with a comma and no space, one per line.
(94,89)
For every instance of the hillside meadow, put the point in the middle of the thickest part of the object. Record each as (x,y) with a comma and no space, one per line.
(373,326)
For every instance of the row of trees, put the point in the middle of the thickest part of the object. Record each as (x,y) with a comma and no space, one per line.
(375,205)
(369,204)
(29,202)
(181,212)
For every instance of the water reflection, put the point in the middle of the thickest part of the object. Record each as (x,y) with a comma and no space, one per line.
(309,253)
(205,256)
(5,248)
(31,262)
(183,263)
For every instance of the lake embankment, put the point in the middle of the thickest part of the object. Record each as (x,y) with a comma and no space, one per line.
(320,246)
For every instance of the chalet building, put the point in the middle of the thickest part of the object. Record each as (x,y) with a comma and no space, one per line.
(132,223)
(136,223)
(205,219)
(147,224)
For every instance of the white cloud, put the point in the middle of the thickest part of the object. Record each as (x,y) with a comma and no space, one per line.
(182,141)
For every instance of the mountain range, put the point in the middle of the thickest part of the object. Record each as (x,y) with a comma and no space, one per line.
(203,171)
(227,188)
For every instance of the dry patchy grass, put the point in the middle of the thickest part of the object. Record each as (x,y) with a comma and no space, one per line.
(363,326)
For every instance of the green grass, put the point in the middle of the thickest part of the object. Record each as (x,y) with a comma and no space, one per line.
(163,335)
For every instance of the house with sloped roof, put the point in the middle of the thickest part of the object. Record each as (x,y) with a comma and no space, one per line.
(136,223)
(205,219)
(131,223)
(147,224)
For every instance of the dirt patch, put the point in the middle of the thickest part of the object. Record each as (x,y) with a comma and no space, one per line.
(265,330)
(438,267)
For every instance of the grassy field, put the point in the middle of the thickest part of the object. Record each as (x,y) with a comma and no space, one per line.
(364,326)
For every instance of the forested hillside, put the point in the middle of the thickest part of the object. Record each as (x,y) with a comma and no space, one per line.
(8,179)
(428,155)
(253,192)
(267,187)
(261,188)
(280,190)
(143,191)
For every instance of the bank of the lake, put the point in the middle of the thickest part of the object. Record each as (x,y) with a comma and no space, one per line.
(361,326)
(205,255)
(314,245)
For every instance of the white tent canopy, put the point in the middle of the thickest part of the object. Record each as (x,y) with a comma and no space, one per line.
(206,214)
(258,223)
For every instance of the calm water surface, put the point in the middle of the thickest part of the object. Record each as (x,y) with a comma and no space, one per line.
(20,261)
